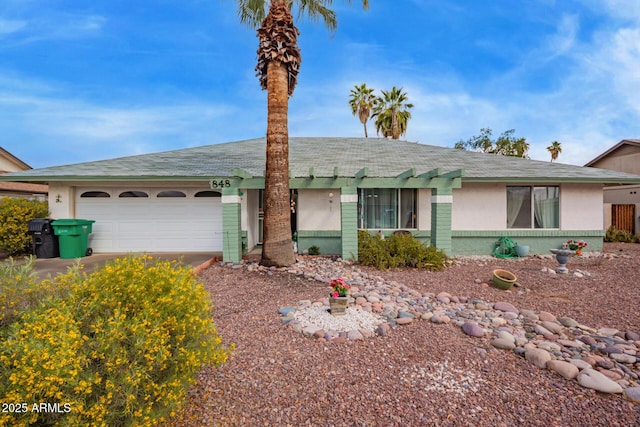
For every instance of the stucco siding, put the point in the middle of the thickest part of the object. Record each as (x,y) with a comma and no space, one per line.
(479,207)
(317,210)
(581,207)
(626,195)
(626,159)
(61,200)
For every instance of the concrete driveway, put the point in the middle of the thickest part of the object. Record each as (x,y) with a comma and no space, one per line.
(53,266)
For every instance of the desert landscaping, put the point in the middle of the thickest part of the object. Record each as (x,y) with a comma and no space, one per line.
(446,366)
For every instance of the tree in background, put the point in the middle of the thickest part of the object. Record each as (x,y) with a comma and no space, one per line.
(278,65)
(506,144)
(555,149)
(391,111)
(362,100)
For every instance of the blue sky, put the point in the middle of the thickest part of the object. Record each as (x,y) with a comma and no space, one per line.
(88,80)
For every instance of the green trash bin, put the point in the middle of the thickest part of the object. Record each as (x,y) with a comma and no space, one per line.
(73,237)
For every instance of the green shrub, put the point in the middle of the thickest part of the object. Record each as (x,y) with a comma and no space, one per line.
(120,349)
(399,250)
(314,250)
(15,214)
(615,235)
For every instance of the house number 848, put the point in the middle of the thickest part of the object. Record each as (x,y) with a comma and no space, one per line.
(220,183)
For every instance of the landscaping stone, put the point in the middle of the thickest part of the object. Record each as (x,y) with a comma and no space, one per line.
(565,369)
(632,394)
(503,344)
(507,307)
(473,329)
(597,381)
(538,357)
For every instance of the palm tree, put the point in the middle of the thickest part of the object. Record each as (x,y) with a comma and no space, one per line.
(361,101)
(392,113)
(278,65)
(555,149)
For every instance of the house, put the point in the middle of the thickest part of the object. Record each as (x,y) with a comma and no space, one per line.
(210,198)
(10,163)
(621,202)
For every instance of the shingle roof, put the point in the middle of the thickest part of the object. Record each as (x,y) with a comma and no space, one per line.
(21,187)
(382,157)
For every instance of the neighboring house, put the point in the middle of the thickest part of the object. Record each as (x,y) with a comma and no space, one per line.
(10,163)
(621,203)
(210,198)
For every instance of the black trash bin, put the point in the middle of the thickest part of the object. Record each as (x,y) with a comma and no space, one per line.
(45,242)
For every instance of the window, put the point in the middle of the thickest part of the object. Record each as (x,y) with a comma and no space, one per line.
(91,194)
(533,207)
(133,194)
(208,194)
(387,208)
(171,193)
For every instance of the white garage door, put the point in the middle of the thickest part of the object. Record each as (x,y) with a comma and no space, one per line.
(152,220)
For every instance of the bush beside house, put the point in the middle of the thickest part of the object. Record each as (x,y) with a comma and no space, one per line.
(15,214)
(117,347)
(399,250)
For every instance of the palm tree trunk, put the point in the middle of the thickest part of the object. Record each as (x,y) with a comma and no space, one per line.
(277,248)
(395,133)
(365,130)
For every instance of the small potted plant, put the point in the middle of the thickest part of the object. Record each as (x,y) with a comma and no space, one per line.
(574,245)
(339,297)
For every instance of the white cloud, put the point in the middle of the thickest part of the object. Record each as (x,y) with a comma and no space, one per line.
(11,26)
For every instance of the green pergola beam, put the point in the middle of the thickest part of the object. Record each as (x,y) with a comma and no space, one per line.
(241,173)
(457,173)
(362,173)
(431,174)
(407,174)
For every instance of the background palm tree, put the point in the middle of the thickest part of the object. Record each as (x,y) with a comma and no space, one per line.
(555,149)
(361,101)
(278,65)
(507,144)
(392,113)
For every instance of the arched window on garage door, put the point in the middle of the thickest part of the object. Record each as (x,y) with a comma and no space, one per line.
(171,193)
(208,193)
(92,194)
(133,194)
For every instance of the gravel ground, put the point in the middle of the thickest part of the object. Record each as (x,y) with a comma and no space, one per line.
(420,374)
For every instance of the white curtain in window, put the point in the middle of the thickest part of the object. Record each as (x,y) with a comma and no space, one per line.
(515,198)
(546,207)
(380,206)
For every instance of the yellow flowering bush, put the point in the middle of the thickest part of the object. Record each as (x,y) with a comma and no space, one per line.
(15,214)
(120,349)
(20,289)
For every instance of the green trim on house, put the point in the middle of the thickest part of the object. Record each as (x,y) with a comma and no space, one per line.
(441,212)
(528,233)
(349,222)
(540,241)
(329,241)
(231,226)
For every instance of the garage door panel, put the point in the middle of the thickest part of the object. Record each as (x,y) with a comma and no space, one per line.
(184,224)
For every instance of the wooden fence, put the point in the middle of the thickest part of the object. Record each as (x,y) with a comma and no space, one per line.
(623,217)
